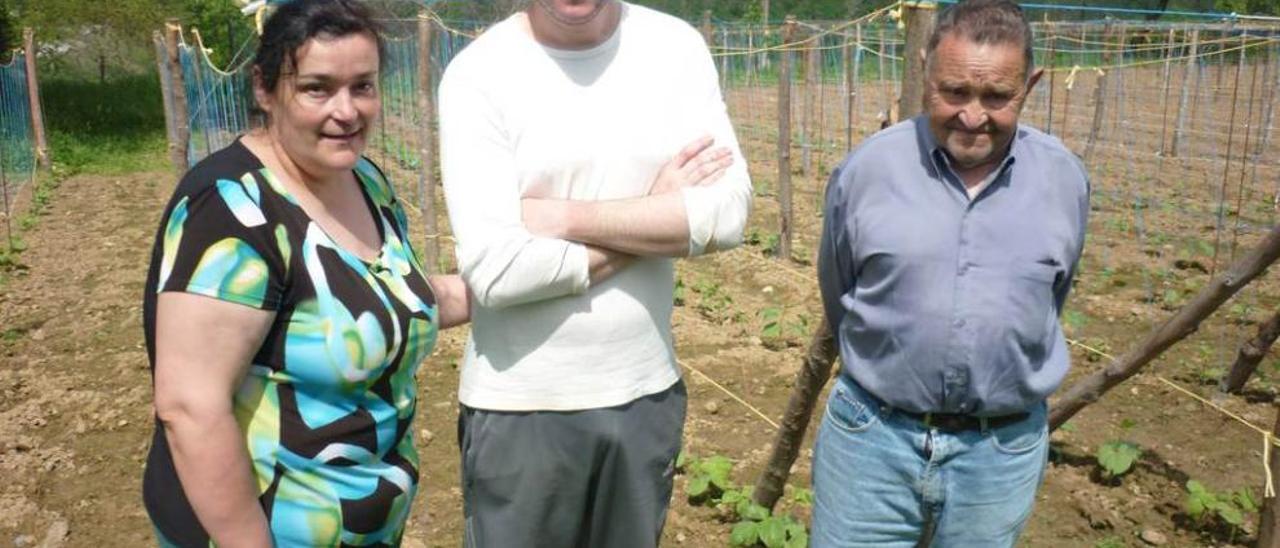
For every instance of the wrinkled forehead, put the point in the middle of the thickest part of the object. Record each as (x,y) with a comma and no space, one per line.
(957,55)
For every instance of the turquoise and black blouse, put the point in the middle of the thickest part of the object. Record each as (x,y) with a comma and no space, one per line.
(329,397)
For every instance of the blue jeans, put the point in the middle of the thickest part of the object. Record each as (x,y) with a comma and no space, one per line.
(881,478)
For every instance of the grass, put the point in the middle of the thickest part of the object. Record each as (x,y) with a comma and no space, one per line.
(105,128)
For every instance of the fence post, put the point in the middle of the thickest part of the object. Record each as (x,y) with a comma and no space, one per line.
(427,149)
(919,18)
(1181,125)
(166,92)
(33,97)
(807,108)
(706,27)
(182,129)
(846,64)
(1164,118)
(1099,98)
(784,141)
(1269,518)
(1053,75)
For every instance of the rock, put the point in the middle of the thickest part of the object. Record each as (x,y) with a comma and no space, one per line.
(23,540)
(712,407)
(55,535)
(426,436)
(680,538)
(411,542)
(767,289)
(1153,537)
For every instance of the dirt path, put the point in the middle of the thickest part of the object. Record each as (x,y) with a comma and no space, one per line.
(75,415)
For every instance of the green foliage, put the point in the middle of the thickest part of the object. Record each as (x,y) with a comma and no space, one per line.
(780,329)
(708,481)
(1205,505)
(116,126)
(714,302)
(1116,458)
(1110,542)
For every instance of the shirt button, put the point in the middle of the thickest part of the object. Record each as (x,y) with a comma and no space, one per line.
(958,323)
(964,269)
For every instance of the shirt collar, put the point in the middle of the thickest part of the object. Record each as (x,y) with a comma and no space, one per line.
(939,160)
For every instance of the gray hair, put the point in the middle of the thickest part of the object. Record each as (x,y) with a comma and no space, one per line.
(985,22)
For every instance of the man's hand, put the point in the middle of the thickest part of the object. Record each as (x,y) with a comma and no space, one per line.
(696,164)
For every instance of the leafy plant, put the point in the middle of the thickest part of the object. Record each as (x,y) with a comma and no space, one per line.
(1204,505)
(709,482)
(1116,458)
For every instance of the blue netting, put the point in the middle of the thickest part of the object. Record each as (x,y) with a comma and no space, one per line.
(17,143)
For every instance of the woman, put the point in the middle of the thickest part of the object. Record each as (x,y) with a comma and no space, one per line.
(286,314)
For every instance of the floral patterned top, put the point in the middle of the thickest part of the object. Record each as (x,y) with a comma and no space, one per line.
(329,397)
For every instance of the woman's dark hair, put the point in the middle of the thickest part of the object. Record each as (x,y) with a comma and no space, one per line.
(297,21)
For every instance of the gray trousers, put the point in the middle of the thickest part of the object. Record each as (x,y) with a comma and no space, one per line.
(591,478)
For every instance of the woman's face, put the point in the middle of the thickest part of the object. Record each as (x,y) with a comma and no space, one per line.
(322,112)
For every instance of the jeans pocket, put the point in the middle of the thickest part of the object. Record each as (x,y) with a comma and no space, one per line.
(848,413)
(1021,437)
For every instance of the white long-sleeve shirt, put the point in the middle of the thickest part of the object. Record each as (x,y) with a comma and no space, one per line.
(518,119)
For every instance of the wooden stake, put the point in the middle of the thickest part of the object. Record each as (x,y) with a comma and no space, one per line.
(784,142)
(1251,354)
(807,109)
(1099,100)
(427,147)
(707,30)
(1183,323)
(33,97)
(1269,516)
(810,379)
(919,18)
(846,58)
(166,90)
(182,128)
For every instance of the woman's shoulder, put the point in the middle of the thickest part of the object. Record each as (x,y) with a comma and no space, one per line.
(230,163)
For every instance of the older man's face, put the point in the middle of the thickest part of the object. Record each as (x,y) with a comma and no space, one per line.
(973,95)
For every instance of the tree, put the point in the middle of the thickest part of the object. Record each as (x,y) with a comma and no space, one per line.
(8,32)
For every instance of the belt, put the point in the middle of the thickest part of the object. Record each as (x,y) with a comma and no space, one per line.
(955,422)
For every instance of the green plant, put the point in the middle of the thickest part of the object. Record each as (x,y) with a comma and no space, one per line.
(1110,542)
(1116,458)
(709,482)
(1204,505)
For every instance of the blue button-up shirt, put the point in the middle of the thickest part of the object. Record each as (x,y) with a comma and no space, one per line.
(941,303)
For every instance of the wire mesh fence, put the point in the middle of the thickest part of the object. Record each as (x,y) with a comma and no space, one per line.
(17,140)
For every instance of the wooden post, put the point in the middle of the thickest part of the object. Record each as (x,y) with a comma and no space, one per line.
(182,129)
(33,97)
(764,14)
(1269,118)
(807,110)
(427,146)
(1180,126)
(1269,516)
(166,92)
(1183,323)
(1251,354)
(857,77)
(1168,85)
(784,142)
(846,64)
(1099,98)
(919,18)
(706,27)
(810,379)
(1053,77)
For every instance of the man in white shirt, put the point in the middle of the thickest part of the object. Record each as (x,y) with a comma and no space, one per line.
(585,143)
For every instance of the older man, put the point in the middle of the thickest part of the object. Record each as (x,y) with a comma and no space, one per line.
(578,157)
(948,250)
